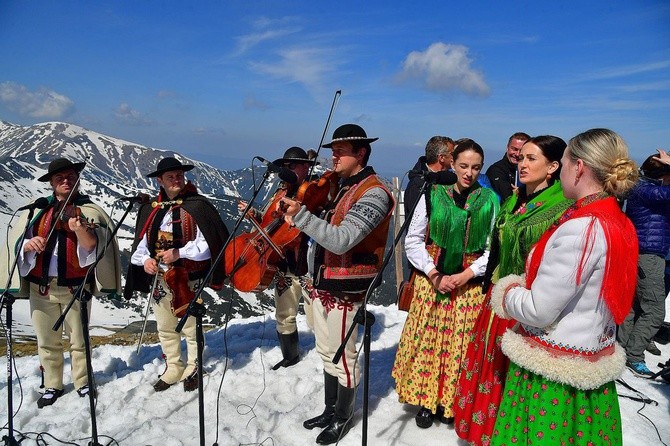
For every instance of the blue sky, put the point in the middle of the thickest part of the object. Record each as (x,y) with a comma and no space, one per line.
(223,81)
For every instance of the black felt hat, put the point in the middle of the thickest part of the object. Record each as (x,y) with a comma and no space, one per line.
(351,133)
(59,165)
(167,164)
(293,154)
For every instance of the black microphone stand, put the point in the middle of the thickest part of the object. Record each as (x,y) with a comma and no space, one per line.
(83,296)
(198,310)
(367,319)
(8,299)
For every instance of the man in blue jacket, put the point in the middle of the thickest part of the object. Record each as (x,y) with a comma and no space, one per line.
(648,207)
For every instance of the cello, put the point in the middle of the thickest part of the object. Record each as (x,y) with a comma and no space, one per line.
(252,259)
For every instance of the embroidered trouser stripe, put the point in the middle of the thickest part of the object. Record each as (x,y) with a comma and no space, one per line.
(332,319)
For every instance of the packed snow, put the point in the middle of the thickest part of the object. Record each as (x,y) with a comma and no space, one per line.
(245,402)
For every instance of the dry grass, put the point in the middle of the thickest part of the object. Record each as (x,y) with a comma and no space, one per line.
(29,348)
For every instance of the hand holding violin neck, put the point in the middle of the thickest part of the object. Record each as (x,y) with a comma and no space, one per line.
(84,233)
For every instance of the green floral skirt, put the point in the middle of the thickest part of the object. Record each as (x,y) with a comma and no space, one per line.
(537,411)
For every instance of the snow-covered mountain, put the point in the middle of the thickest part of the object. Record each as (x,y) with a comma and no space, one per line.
(116,168)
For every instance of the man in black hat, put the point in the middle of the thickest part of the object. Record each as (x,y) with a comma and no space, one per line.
(291,279)
(61,242)
(348,250)
(176,237)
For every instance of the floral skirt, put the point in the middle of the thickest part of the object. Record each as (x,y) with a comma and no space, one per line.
(482,378)
(535,410)
(433,342)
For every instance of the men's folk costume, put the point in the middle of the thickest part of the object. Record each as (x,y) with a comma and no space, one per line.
(49,279)
(348,250)
(191,224)
(291,281)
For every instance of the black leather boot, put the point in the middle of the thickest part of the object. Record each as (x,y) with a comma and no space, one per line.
(341,422)
(330,391)
(289,350)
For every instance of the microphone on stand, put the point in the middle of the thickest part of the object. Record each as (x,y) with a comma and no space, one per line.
(284,173)
(288,176)
(141,198)
(272,167)
(443,177)
(40,203)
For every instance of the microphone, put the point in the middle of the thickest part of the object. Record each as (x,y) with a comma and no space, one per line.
(40,203)
(141,198)
(443,177)
(288,176)
(272,167)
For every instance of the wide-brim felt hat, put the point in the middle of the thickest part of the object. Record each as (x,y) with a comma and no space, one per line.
(167,164)
(293,155)
(60,165)
(351,133)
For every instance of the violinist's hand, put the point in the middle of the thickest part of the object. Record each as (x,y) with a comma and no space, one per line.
(291,207)
(151,267)
(169,255)
(35,244)
(242,205)
(85,234)
(76,225)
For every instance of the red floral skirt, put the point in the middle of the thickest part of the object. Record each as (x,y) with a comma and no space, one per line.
(482,379)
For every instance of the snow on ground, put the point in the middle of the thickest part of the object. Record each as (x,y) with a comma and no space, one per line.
(105,318)
(257,406)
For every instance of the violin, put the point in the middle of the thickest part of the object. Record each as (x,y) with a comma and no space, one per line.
(176,278)
(314,195)
(252,258)
(68,211)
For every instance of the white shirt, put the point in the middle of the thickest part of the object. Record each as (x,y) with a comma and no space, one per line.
(196,249)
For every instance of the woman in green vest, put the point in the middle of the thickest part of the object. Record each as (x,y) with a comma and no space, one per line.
(448,296)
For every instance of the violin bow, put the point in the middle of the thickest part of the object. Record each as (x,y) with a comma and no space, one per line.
(67,200)
(338,93)
(146,311)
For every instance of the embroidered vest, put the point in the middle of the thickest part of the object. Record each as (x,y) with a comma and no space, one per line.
(69,271)
(184,230)
(353,271)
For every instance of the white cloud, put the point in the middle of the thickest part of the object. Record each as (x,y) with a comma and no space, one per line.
(125,114)
(628,70)
(308,66)
(42,103)
(444,67)
(245,43)
(266,29)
